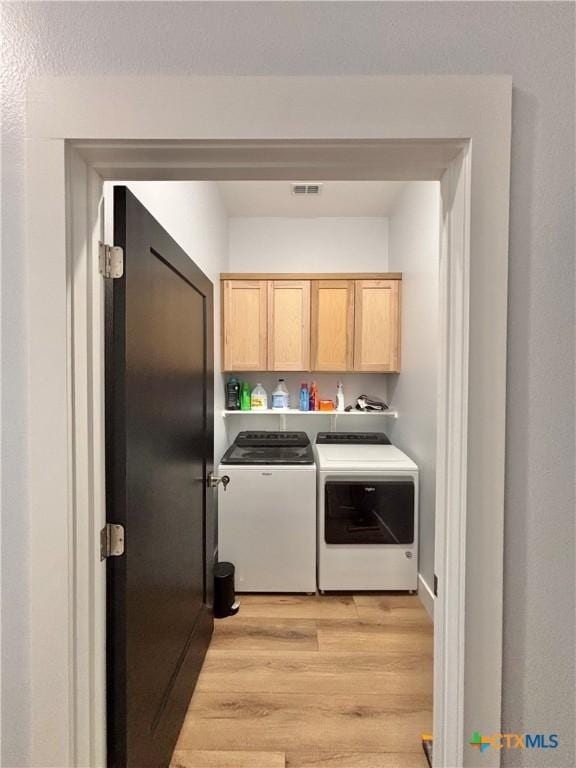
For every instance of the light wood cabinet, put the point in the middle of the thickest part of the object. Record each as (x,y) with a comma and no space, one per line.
(377,325)
(332,331)
(311,322)
(244,321)
(288,325)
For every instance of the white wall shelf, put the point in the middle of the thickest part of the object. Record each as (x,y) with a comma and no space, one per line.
(333,415)
(296,412)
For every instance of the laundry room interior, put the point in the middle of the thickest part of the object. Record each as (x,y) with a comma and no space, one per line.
(326,356)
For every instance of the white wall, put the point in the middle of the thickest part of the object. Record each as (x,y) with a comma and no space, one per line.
(193,214)
(325,244)
(414,251)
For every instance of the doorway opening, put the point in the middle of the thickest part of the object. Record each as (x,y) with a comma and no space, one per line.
(391,185)
(85,162)
(348,673)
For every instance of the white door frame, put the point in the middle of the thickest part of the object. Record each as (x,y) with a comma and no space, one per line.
(453,128)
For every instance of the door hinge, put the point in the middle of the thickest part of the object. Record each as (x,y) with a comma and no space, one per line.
(110,260)
(435,585)
(111,541)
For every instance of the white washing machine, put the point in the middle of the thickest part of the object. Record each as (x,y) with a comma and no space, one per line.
(367,513)
(267,512)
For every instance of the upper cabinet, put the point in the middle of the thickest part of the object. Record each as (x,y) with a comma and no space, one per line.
(311,322)
(244,321)
(377,326)
(288,325)
(332,334)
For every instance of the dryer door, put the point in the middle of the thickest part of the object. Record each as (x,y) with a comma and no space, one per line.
(366,512)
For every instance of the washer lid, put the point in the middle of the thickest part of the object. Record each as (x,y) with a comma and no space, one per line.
(264,447)
(241,455)
(360,458)
(267,439)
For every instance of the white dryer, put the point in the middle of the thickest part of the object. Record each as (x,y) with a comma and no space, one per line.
(367,513)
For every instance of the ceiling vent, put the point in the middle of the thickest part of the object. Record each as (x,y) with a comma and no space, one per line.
(306,189)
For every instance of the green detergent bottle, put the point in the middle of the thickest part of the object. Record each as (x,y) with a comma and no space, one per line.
(245,393)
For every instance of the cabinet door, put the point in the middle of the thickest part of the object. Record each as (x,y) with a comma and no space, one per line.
(332,325)
(377,325)
(244,325)
(289,325)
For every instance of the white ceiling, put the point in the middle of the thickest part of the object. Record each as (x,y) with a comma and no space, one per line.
(338,198)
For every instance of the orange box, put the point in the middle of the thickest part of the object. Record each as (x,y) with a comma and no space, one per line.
(326,405)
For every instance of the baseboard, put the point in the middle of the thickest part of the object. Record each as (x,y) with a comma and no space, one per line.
(426,596)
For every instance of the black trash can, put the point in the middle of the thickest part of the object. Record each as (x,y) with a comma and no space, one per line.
(225,603)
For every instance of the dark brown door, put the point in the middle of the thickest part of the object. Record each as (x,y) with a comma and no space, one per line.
(159,451)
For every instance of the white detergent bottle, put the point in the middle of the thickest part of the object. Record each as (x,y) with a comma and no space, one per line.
(280,396)
(259,398)
(339,397)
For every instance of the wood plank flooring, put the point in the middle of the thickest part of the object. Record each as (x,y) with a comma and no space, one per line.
(313,682)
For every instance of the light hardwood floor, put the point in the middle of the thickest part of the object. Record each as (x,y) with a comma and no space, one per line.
(313,682)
